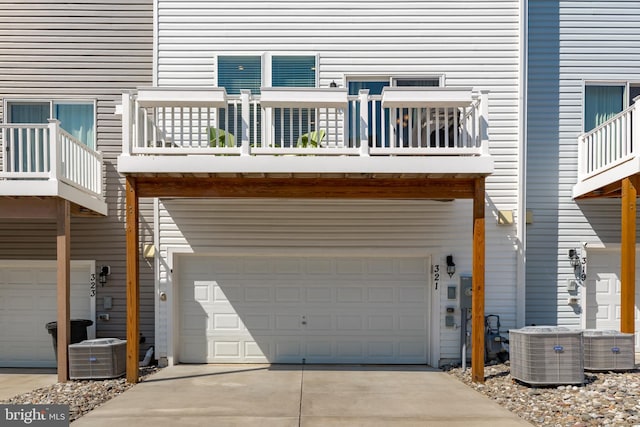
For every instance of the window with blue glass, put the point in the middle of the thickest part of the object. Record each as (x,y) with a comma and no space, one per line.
(293,71)
(236,73)
(604,101)
(376,115)
(76,118)
(601,103)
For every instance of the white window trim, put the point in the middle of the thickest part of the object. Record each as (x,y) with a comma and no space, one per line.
(392,79)
(265,63)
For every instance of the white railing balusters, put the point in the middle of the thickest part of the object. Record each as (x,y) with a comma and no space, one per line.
(609,144)
(361,127)
(47,152)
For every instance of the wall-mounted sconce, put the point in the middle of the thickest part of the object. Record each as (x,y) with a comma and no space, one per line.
(574,258)
(451,267)
(105,271)
(333,84)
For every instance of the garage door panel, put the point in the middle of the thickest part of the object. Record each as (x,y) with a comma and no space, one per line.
(322,310)
(319,295)
(27,302)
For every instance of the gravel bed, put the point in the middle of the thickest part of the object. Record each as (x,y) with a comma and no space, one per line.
(82,395)
(606,399)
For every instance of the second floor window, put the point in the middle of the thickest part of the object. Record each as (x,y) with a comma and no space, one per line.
(238,72)
(77,118)
(603,101)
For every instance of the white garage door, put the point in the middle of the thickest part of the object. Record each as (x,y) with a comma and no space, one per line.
(603,292)
(294,309)
(28,303)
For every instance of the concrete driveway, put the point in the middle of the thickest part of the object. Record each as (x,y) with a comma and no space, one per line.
(293,395)
(14,381)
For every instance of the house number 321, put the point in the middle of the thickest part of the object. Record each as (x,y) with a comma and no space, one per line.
(436,275)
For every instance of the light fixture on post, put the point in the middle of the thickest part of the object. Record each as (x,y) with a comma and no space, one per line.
(451,267)
(574,258)
(105,271)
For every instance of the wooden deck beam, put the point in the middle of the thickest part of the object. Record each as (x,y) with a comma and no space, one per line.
(63,317)
(477,293)
(307,188)
(628,254)
(133,283)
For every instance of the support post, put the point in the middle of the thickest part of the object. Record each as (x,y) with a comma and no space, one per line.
(133,284)
(477,294)
(63,287)
(628,255)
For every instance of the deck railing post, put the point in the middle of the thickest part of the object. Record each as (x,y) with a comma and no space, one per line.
(245,95)
(484,122)
(5,152)
(55,149)
(635,121)
(126,124)
(582,160)
(363,96)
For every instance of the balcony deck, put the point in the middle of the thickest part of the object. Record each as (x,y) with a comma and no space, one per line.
(608,154)
(306,133)
(42,161)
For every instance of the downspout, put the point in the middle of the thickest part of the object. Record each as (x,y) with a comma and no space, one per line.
(521,225)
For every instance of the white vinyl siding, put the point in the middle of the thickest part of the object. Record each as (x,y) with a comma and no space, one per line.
(470,43)
(87,49)
(464,44)
(571,44)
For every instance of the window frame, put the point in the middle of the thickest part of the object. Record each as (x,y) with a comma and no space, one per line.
(626,100)
(52,102)
(266,61)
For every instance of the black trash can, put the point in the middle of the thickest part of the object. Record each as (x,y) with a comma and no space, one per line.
(78,332)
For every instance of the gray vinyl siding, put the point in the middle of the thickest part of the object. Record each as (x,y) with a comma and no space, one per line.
(471,43)
(83,50)
(570,42)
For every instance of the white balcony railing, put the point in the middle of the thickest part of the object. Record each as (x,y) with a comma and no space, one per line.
(609,145)
(305,121)
(47,152)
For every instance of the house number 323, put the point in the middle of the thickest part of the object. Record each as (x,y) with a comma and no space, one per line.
(92,285)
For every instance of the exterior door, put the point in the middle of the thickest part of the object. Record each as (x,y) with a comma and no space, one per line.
(603,292)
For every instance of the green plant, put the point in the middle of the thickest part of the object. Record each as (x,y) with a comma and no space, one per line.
(220,138)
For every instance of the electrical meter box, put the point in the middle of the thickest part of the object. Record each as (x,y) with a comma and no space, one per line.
(465,291)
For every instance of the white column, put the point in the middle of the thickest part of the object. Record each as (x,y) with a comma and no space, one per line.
(364,122)
(126,124)
(245,95)
(55,149)
(484,121)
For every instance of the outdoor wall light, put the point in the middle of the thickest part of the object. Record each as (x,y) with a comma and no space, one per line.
(574,258)
(105,271)
(333,84)
(451,267)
